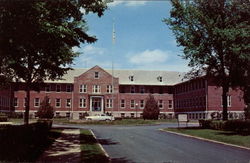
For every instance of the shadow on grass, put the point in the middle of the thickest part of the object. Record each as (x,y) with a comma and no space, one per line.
(228,133)
(91,152)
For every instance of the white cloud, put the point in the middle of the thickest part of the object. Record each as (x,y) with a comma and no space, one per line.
(149,57)
(129,3)
(89,49)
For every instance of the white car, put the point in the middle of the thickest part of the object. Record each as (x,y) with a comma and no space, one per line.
(102,117)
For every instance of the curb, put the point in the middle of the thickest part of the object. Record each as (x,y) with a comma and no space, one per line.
(204,139)
(105,153)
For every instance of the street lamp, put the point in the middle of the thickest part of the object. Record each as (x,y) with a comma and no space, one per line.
(136,106)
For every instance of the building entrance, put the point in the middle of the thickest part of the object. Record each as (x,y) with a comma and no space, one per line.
(96,104)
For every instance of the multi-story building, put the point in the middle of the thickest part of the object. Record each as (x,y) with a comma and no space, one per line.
(124,93)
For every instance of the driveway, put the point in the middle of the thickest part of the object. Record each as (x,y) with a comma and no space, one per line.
(148,144)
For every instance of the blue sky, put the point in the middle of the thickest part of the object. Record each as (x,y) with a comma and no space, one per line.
(142,41)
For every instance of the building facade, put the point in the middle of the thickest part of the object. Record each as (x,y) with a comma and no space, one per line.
(124,93)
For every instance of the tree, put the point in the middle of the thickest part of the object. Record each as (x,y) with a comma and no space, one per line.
(216,39)
(151,110)
(45,110)
(37,36)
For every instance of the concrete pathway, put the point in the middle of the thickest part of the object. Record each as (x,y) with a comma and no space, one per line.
(65,149)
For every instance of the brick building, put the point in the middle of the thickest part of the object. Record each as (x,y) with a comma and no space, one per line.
(123,93)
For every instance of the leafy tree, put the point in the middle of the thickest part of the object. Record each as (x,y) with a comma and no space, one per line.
(45,110)
(216,39)
(151,110)
(37,36)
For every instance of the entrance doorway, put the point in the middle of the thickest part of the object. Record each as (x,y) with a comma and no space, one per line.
(96,104)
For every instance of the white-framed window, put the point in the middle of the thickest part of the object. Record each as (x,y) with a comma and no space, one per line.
(58,102)
(131,78)
(132,89)
(109,89)
(132,104)
(229,101)
(25,102)
(68,103)
(109,103)
(122,103)
(15,102)
(142,89)
(160,104)
(47,88)
(58,88)
(142,103)
(36,102)
(82,103)
(83,88)
(96,89)
(170,104)
(96,75)
(159,78)
(68,88)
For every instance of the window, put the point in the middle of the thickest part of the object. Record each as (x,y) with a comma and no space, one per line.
(141,104)
(170,104)
(122,103)
(109,103)
(132,115)
(15,102)
(82,103)
(25,102)
(83,88)
(160,104)
(132,104)
(36,102)
(47,88)
(142,90)
(109,89)
(68,103)
(96,89)
(68,88)
(159,78)
(68,115)
(122,115)
(58,88)
(96,75)
(131,78)
(57,114)
(58,102)
(132,89)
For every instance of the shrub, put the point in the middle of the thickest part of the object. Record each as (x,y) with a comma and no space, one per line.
(3,117)
(46,111)
(247,112)
(206,124)
(151,110)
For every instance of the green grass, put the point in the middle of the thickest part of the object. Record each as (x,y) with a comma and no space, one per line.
(90,151)
(116,122)
(221,136)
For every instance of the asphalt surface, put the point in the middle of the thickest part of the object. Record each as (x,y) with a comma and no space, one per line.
(149,144)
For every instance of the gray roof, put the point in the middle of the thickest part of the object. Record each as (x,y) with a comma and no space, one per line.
(141,77)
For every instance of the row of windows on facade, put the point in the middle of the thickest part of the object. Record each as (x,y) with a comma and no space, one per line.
(190,86)
(83,103)
(109,89)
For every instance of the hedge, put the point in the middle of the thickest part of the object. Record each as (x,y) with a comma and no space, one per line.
(240,126)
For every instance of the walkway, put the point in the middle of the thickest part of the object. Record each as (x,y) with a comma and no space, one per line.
(64,149)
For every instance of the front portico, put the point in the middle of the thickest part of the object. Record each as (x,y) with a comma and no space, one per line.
(96,105)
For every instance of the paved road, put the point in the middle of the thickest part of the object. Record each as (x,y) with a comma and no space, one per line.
(148,144)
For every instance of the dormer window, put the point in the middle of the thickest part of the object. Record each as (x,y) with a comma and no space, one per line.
(96,75)
(159,78)
(131,78)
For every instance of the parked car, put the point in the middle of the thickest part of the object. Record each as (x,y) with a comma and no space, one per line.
(102,117)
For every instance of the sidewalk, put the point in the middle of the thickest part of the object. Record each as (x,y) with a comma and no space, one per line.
(65,149)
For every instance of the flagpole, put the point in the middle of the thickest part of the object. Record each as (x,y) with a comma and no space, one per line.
(113,43)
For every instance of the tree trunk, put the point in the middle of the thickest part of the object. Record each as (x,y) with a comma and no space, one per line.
(225,90)
(27,108)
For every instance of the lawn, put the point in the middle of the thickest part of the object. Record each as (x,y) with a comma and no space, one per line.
(217,135)
(116,122)
(90,150)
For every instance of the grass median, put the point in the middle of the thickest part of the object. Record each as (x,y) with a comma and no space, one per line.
(90,150)
(217,135)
